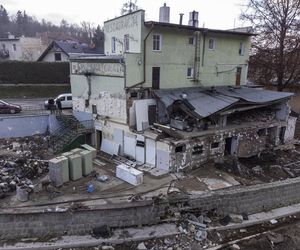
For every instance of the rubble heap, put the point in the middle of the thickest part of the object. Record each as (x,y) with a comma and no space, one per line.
(21,162)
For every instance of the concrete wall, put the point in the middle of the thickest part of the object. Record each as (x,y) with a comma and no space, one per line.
(36,222)
(131,25)
(20,126)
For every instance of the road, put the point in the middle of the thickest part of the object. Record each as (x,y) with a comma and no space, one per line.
(29,107)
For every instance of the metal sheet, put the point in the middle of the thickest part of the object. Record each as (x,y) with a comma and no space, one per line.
(140,149)
(129,145)
(110,147)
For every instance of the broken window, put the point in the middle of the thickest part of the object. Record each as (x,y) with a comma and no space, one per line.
(157,42)
(214,145)
(180,149)
(197,150)
(262,132)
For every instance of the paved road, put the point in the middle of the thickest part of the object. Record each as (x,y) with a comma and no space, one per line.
(30,107)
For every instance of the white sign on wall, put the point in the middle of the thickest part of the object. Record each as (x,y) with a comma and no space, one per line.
(102,69)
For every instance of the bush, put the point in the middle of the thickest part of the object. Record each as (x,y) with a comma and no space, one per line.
(16,72)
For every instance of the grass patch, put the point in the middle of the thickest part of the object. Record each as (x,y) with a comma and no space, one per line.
(7,92)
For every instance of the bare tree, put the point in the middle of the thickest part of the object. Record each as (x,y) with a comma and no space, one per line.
(129,7)
(276,48)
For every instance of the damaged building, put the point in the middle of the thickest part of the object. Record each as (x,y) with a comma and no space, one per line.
(173,96)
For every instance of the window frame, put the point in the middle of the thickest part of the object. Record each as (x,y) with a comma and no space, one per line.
(126,42)
(213,43)
(193,39)
(56,58)
(113,44)
(154,42)
(242,48)
(191,75)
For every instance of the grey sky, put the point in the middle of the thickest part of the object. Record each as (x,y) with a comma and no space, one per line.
(219,14)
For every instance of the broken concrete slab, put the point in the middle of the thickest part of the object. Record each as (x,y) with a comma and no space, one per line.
(87,162)
(90,148)
(75,167)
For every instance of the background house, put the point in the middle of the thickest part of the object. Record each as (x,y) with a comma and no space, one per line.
(21,48)
(60,51)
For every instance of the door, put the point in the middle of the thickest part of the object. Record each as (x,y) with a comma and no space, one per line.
(69,101)
(155,77)
(238,76)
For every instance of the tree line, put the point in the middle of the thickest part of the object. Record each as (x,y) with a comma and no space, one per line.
(23,24)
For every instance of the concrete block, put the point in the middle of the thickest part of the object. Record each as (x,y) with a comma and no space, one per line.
(75,167)
(58,171)
(90,148)
(76,150)
(87,162)
(129,174)
(67,154)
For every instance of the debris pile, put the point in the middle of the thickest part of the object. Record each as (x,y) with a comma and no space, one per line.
(21,162)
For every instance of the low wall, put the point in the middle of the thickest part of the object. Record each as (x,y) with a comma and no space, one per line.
(21,126)
(35,222)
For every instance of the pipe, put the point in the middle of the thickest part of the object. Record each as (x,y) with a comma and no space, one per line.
(180,19)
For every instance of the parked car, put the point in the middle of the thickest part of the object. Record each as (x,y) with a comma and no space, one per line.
(9,108)
(65,99)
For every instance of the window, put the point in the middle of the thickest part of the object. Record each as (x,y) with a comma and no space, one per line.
(191,40)
(14,47)
(241,49)
(156,42)
(69,98)
(3,46)
(113,44)
(190,72)
(62,98)
(94,109)
(126,42)
(211,43)
(57,56)
(197,150)
(214,145)
(180,149)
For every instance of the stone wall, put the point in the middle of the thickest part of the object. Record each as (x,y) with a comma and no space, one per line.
(37,222)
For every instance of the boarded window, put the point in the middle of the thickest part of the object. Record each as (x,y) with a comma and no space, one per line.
(180,149)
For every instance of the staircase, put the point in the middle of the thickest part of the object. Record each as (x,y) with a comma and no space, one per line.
(69,131)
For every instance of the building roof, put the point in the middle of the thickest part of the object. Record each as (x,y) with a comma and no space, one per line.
(71,47)
(207,101)
(9,39)
(98,58)
(192,28)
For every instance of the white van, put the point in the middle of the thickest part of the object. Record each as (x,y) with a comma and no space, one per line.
(65,99)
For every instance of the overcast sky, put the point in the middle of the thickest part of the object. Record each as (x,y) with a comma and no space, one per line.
(220,14)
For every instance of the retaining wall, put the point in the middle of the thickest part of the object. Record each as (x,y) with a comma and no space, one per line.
(21,126)
(36,222)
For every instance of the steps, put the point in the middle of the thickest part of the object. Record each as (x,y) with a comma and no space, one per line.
(69,131)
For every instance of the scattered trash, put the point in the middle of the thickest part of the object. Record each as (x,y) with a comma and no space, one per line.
(141,246)
(225,220)
(102,178)
(90,188)
(273,221)
(102,231)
